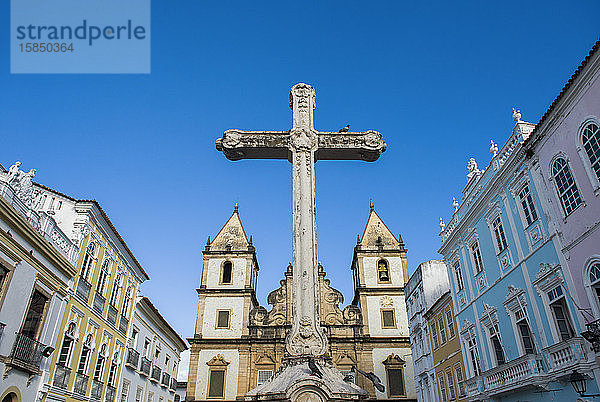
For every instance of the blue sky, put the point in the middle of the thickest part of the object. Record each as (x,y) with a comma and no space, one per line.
(437,79)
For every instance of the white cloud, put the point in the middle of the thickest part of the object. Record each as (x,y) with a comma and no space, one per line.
(184,366)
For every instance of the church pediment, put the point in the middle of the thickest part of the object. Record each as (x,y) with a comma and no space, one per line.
(232,236)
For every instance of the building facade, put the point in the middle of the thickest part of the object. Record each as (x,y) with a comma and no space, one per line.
(510,285)
(564,152)
(426,285)
(239,344)
(37,268)
(153,354)
(91,345)
(446,352)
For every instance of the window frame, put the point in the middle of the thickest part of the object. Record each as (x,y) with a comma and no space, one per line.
(387,310)
(222,273)
(229,312)
(387,266)
(584,156)
(557,190)
(450,322)
(526,205)
(450,381)
(210,371)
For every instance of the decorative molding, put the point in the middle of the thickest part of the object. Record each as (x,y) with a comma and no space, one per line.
(548,277)
(218,360)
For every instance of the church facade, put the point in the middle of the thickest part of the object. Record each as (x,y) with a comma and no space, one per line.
(239,344)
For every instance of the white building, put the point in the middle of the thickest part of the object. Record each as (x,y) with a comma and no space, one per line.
(152,357)
(426,285)
(36,275)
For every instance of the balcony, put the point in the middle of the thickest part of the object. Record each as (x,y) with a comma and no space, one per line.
(112,314)
(83,289)
(99,303)
(97,389)
(110,393)
(155,373)
(522,372)
(475,388)
(173,385)
(133,358)
(566,356)
(123,325)
(81,382)
(41,222)
(166,379)
(61,376)
(26,354)
(145,367)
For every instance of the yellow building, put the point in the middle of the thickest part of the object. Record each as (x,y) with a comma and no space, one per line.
(445,344)
(92,340)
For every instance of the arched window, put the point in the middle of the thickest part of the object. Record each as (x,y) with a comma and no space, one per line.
(99,370)
(590,138)
(87,261)
(114,296)
(226,277)
(565,185)
(383,272)
(113,369)
(595,281)
(126,301)
(103,277)
(67,345)
(85,355)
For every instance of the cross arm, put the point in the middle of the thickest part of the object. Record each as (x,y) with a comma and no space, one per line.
(238,144)
(366,146)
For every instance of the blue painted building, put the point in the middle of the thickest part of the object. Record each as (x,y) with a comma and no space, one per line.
(518,322)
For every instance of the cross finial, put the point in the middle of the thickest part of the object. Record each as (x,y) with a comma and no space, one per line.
(302,103)
(371,204)
(235,207)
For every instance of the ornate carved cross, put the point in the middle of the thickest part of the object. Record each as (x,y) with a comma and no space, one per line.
(303,146)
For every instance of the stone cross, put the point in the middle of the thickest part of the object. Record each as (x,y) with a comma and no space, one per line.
(303,146)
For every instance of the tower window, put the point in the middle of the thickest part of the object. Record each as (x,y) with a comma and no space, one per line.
(216,383)
(591,143)
(227,271)
(387,318)
(383,272)
(223,318)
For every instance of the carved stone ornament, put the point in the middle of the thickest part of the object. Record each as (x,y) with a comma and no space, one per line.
(515,299)
(258,316)
(394,360)
(548,277)
(352,315)
(278,299)
(218,360)
(386,301)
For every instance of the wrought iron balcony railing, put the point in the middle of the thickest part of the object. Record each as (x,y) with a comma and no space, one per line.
(27,353)
(145,366)
(97,386)
(123,325)
(133,358)
(166,379)
(155,373)
(81,382)
(112,314)
(61,376)
(99,301)
(110,393)
(83,289)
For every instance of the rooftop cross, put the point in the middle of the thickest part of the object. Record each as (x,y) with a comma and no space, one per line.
(303,146)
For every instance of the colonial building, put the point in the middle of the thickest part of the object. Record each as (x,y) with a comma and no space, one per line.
(92,333)
(564,152)
(446,354)
(37,267)
(239,344)
(153,354)
(426,285)
(513,293)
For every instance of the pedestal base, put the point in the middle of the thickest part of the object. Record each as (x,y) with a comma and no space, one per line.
(295,382)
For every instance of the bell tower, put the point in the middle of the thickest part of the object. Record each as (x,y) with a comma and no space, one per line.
(380,273)
(226,295)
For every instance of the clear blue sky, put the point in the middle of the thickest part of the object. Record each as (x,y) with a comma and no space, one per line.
(438,79)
